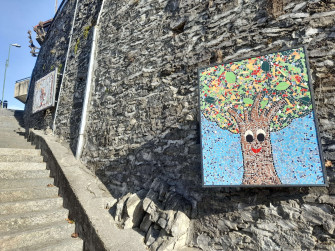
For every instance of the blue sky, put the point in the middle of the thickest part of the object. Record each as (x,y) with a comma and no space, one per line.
(16,18)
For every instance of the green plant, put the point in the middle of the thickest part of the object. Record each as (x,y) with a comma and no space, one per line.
(60,67)
(87,31)
(76,46)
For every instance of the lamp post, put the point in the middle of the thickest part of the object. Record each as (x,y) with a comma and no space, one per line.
(6,65)
(55,6)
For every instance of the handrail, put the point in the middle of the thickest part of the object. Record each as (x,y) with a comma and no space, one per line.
(65,65)
(22,80)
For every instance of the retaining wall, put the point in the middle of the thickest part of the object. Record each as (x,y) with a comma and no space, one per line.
(142,137)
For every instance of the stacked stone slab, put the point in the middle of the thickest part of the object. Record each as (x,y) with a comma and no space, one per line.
(31,213)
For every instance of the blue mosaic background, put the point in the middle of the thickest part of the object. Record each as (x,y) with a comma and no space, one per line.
(295,152)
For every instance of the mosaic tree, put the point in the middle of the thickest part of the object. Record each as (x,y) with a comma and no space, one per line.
(254,97)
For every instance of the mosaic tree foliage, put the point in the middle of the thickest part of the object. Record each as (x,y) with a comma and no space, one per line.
(263,93)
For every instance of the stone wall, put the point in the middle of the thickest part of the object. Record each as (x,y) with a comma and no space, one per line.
(142,136)
(52,54)
(74,83)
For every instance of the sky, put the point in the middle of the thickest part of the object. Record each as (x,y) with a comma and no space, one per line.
(16,18)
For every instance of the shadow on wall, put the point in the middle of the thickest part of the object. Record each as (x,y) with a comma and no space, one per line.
(264,218)
(161,157)
(158,195)
(18,115)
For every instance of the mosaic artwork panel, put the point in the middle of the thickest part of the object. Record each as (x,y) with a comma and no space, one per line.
(258,123)
(44,93)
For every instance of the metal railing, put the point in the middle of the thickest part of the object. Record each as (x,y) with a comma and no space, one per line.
(21,80)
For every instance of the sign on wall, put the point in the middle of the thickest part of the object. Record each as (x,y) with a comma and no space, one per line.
(258,124)
(44,93)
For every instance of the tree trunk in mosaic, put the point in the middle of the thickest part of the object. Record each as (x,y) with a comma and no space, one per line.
(254,130)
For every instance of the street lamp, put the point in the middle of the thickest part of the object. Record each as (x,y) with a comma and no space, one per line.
(4,80)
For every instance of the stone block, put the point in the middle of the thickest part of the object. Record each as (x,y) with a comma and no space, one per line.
(119,213)
(180,224)
(146,223)
(299,7)
(151,235)
(329,226)
(134,211)
(203,241)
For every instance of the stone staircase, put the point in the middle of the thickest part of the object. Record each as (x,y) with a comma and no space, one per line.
(32,216)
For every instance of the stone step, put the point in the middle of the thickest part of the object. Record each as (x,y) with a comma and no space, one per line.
(32,216)
(11,134)
(5,132)
(31,193)
(23,174)
(10,125)
(20,158)
(15,145)
(13,138)
(11,151)
(18,207)
(21,240)
(12,122)
(21,166)
(4,121)
(11,144)
(9,120)
(22,183)
(8,111)
(11,128)
(9,115)
(26,221)
(73,244)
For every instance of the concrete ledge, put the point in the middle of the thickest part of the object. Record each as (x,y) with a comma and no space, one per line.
(86,197)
